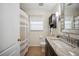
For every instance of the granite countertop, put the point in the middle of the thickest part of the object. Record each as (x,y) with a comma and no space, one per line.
(61,48)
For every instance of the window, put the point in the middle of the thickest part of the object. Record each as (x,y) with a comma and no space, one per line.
(36,25)
(76,24)
(68,24)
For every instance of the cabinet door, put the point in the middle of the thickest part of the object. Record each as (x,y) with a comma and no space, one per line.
(49,51)
(46,48)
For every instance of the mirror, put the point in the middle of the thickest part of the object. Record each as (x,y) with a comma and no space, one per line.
(76,23)
(70,17)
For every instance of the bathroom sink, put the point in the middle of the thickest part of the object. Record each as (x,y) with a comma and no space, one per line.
(70,52)
(61,44)
(53,38)
(62,48)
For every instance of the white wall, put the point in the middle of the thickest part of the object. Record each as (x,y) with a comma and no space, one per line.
(9,25)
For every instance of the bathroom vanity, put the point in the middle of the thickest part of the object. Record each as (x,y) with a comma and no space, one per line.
(57,47)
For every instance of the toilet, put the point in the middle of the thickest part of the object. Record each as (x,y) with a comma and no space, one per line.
(42,43)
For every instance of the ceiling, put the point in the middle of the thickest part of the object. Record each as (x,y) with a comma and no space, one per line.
(72,9)
(34,8)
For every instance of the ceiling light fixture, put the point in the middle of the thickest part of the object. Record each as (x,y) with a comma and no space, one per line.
(69,4)
(41,4)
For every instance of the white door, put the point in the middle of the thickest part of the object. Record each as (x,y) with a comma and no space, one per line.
(9,29)
(24,24)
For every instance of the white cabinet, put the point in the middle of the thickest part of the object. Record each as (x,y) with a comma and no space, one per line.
(24,32)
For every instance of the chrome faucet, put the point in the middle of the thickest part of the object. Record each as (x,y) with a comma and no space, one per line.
(68,38)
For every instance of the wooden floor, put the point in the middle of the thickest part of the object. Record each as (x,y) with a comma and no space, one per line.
(35,51)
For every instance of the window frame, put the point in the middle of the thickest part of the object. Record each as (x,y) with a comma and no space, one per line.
(39,23)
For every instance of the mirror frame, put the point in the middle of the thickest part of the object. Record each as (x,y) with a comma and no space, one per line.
(73,30)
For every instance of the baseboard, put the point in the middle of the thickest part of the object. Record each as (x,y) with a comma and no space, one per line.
(34,45)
